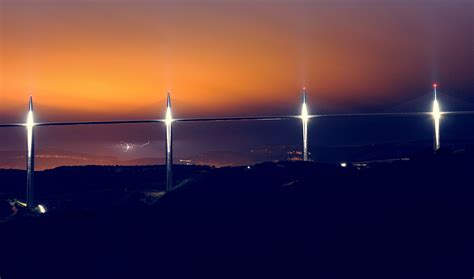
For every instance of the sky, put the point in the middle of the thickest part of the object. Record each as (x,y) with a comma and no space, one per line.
(104,59)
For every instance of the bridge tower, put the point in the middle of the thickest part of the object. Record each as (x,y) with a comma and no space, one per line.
(304,119)
(30,157)
(436,113)
(169,145)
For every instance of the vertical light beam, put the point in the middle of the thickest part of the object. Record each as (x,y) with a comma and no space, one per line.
(30,157)
(169,145)
(436,119)
(304,120)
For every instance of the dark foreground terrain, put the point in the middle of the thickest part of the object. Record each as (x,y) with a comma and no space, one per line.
(404,219)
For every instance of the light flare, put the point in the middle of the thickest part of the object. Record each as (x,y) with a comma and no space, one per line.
(30,124)
(305,118)
(436,113)
(169,116)
(30,162)
(436,118)
(304,113)
(168,122)
(169,145)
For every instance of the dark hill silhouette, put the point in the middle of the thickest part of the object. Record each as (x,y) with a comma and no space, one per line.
(404,219)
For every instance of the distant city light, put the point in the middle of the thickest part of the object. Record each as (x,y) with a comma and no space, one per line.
(41,209)
(343,165)
(23,204)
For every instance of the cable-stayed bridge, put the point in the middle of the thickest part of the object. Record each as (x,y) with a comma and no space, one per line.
(30,125)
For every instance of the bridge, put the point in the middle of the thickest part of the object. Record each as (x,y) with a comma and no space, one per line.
(30,125)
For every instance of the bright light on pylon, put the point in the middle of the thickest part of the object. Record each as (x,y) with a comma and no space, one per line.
(436,110)
(30,123)
(436,113)
(304,119)
(169,117)
(304,112)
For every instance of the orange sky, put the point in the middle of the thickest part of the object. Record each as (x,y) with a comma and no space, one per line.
(92,59)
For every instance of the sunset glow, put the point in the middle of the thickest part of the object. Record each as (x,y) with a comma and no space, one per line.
(119,57)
